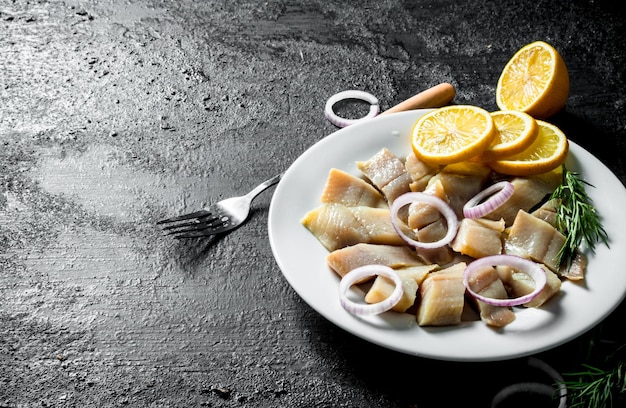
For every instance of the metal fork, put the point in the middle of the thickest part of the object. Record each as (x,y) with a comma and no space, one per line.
(217,218)
(230,213)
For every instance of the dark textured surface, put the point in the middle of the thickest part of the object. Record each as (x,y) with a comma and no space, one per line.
(115,114)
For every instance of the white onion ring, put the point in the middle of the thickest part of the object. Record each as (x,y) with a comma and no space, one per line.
(521,264)
(498,194)
(366,271)
(336,120)
(439,204)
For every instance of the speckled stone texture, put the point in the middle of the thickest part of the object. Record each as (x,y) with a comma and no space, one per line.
(114,114)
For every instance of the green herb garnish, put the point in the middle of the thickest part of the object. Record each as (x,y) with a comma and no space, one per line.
(600,380)
(598,385)
(576,217)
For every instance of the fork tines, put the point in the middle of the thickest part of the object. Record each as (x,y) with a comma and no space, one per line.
(197,224)
(197,214)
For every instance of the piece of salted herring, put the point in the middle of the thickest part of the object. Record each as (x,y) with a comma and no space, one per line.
(351,257)
(388,173)
(442,296)
(337,226)
(344,188)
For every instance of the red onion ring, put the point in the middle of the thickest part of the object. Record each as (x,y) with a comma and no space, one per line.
(366,271)
(336,120)
(504,190)
(439,204)
(525,265)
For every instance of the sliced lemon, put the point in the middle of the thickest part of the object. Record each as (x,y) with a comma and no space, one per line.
(452,134)
(515,131)
(546,153)
(534,81)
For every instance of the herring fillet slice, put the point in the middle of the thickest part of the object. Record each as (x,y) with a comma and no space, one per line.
(487,283)
(411,278)
(527,193)
(388,173)
(442,297)
(478,237)
(351,191)
(337,226)
(532,238)
(419,172)
(520,284)
(345,259)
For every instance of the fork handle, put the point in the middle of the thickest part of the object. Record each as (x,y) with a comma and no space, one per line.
(264,186)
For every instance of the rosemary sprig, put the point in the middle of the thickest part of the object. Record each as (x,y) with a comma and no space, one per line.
(576,216)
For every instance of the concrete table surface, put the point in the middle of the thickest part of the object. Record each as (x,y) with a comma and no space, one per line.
(114,114)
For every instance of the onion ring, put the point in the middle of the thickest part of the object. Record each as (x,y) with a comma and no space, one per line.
(338,121)
(512,391)
(439,204)
(365,271)
(498,194)
(525,265)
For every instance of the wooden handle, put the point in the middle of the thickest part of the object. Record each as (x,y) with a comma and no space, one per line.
(435,97)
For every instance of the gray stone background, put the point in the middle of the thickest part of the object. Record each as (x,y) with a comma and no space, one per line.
(114,114)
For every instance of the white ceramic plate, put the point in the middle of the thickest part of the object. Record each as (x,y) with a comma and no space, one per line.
(302,258)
